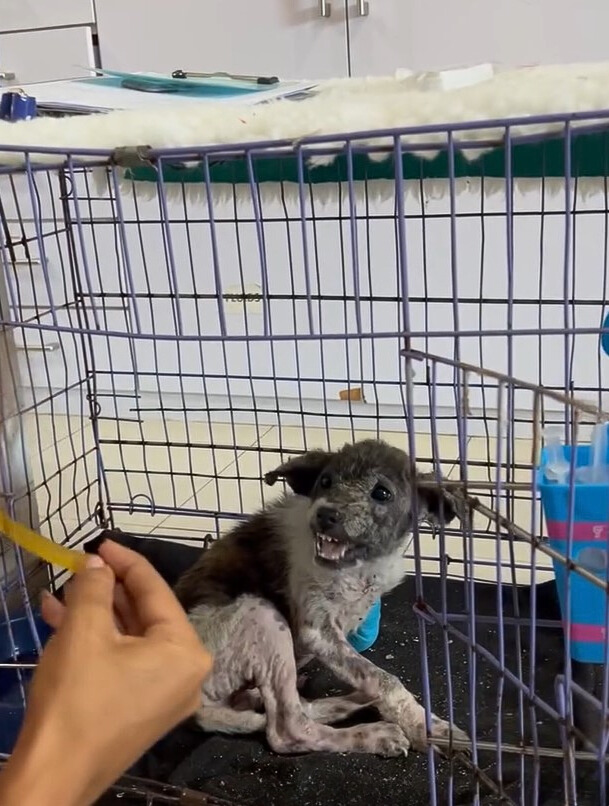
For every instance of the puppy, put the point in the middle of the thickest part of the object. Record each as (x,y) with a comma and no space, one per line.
(291,582)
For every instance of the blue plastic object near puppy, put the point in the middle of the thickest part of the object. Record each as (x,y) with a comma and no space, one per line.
(368,631)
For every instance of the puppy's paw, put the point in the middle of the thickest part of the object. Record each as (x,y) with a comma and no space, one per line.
(389,740)
(440,729)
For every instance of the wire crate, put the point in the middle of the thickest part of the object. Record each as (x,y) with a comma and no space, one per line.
(174,324)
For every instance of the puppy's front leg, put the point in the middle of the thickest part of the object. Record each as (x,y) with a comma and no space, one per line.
(393,700)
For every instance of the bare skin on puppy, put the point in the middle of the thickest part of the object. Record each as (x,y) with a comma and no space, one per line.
(261,651)
(291,582)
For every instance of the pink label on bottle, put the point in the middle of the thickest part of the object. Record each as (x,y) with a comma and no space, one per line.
(589,633)
(582,532)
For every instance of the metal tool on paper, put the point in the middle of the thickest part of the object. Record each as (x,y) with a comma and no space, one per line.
(231,76)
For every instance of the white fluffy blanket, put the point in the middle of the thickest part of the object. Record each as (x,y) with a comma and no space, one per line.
(342,106)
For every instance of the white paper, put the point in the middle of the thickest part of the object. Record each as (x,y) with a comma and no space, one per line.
(85,96)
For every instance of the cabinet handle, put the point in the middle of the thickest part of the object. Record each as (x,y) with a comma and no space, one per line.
(51,347)
(5,75)
(363,8)
(325,8)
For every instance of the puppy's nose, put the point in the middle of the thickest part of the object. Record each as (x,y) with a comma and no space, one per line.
(328,518)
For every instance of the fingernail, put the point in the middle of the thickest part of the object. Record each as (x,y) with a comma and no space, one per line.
(44,594)
(93,561)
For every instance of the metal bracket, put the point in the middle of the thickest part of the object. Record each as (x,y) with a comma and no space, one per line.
(132,156)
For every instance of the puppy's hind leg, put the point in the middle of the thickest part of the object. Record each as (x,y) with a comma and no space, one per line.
(215,717)
(212,717)
(328,710)
(291,730)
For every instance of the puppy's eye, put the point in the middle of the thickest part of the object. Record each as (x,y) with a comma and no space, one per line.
(325,482)
(381,493)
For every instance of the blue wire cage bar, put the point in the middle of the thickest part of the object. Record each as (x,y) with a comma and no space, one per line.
(174,323)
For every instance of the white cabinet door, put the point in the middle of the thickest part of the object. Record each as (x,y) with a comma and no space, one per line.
(46,55)
(265,37)
(21,15)
(435,34)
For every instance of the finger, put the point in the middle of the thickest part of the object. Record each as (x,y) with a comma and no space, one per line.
(153,600)
(90,597)
(125,611)
(52,610)
(66,588)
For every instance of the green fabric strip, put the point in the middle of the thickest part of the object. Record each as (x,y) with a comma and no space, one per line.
(589,158)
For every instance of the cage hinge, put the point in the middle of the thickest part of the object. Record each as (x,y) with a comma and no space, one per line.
(101,518)
(132,156)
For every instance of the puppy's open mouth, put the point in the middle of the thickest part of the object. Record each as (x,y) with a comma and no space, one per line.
(329,548)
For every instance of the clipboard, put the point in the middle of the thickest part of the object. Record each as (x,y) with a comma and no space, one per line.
(196,85)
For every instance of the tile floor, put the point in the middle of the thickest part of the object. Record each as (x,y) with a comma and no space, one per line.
(138,458)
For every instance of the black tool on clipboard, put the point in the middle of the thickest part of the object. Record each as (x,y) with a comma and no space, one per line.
(231,76)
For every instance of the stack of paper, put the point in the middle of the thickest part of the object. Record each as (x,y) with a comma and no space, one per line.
(107,93)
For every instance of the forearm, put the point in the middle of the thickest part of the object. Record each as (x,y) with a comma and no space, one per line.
(335,652)
(43,771)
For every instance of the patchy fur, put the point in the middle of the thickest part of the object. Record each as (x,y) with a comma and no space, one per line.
(291,582)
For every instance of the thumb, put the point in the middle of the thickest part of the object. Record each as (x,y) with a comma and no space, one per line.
(90,596)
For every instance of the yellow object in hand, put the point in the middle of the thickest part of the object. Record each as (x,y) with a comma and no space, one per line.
(42,547)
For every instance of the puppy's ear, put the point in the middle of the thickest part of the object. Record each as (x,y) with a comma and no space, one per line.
(302,472)
(436,505)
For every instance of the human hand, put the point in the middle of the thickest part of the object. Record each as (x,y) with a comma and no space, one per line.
(123,668)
